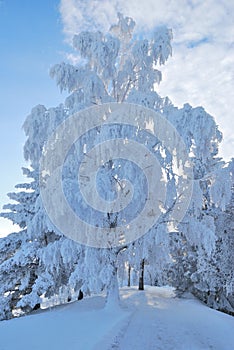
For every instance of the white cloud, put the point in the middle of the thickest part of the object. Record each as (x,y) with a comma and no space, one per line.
(201,70)
(7,227)
(204,76)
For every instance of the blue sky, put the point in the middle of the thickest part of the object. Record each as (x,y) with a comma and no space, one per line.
(31,41)
(33,34)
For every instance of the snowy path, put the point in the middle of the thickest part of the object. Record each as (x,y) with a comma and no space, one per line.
(150,320)
(163,323)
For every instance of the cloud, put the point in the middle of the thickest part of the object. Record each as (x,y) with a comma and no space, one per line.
(204,76)
(201,70)
(7,227)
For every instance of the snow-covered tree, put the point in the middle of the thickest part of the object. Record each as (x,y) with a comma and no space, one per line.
(40,262)
(35,263)
(213,278)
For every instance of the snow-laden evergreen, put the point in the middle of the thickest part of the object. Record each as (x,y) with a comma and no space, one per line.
(195,254)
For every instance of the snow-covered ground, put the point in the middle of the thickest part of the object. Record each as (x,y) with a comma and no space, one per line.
(152,319)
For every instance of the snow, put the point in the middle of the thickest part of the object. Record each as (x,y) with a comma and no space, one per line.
(150,319)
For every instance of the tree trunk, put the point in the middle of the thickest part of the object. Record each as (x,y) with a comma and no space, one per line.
(112,299)
(129,275)
(141,275)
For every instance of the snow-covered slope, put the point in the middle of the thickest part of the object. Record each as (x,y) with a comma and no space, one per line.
(153,319)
